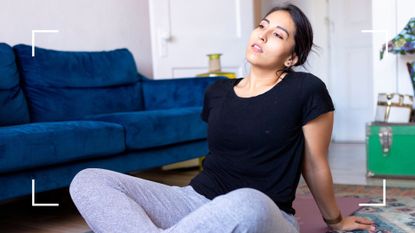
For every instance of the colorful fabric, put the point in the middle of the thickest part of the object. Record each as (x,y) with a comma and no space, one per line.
(398,216)
(404,42)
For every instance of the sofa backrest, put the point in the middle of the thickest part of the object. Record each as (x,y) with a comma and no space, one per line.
(62,85)
(175,93)
(13,107)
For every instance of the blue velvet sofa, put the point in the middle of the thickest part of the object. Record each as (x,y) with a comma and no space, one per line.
(61,112)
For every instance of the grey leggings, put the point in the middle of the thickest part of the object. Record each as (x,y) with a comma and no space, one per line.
(113,202)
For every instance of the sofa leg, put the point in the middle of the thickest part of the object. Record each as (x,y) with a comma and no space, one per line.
(201,163)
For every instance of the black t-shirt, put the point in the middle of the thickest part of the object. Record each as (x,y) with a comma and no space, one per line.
(258,142)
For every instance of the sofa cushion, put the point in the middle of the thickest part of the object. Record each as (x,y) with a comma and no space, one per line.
(69,85)
(147,129)
(41,144)
(13,107)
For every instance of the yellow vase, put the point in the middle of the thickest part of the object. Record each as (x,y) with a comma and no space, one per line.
(215,67)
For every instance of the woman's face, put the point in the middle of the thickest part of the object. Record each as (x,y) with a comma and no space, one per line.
(272,42)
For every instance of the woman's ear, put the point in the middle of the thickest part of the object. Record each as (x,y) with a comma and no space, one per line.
(291,61)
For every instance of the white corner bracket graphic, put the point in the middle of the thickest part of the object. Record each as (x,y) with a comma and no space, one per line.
(33,37)
(33,198)
(378,204)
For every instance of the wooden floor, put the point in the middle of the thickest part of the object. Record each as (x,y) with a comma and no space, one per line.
(347,161)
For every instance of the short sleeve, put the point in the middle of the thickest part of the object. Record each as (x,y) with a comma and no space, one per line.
(316,99)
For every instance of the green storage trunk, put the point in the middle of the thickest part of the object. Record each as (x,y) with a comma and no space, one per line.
(390,149)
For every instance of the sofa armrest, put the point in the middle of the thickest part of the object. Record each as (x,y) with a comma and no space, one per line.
(175,93)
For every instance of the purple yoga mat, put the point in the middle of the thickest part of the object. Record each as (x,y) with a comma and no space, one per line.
(309,217)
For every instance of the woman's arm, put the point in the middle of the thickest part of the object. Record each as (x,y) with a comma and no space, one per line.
(317,174)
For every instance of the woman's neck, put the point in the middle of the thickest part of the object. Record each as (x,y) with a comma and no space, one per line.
(259,78)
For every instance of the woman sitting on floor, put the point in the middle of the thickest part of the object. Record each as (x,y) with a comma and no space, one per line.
(264,130)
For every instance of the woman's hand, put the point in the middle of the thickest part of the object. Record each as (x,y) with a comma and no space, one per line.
(354,223)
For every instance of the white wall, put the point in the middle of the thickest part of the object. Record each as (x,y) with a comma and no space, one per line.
(391,74)
(90,25)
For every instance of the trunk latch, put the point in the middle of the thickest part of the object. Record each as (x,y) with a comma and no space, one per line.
(385,137)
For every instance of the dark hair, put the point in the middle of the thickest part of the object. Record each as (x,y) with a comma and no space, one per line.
(303,36)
